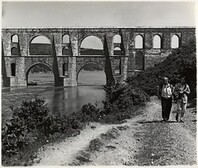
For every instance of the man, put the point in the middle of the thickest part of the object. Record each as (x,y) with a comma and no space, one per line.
(165,91)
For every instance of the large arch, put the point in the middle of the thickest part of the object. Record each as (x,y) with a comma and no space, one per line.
(32,66)
(88,64)
(40,45)
(91,45)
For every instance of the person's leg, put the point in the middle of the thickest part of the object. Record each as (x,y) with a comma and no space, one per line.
(178,110)
(168,108)
(163,103)
(183,110)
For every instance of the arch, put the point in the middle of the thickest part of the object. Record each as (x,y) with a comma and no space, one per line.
(157,41)
(139,60)
(139,41)
(14,51)
(66,51)
(13,69)
(117,38)
(87,64)
(91,45)
(15,39)
(117,51)
(40,45)
(65,39)
(38,63)
(65,69)
(40,39)
(175,41)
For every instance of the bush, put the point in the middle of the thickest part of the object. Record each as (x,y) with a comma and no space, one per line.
(32,120)
(25,120)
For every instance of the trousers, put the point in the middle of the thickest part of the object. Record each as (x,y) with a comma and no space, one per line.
(166,107)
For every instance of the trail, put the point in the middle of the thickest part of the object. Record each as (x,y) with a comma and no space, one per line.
(143,140)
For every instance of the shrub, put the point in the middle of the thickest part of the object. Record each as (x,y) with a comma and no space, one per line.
(25,120)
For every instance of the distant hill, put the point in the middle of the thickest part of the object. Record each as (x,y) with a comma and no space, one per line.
(45,49)
(40,49)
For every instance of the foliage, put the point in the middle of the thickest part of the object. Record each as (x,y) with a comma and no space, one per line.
(25,119)
(182,62)
(31,120)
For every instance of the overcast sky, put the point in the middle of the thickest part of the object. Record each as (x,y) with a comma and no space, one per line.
(97,14)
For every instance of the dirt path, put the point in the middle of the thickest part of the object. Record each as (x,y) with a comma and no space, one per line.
(143,140)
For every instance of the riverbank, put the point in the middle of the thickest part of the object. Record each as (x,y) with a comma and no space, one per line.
(16,95)
(32,125)
(142,140)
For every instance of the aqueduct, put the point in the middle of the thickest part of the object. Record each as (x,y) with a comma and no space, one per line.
(140,48)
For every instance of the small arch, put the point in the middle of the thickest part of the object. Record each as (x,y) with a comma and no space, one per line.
(91,45)
(66,51)
(117,38)
(175,41)
(14,51)
(65,69)
(15,39)
(139,60)
(117,51)
(65,39)
(13,69)
(157,41)
(139,42)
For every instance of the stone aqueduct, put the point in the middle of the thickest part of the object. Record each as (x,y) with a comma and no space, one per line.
(15,68)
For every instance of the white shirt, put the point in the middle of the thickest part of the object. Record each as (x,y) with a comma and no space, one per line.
(166,91)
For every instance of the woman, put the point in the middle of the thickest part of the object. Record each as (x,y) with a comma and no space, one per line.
(182,90)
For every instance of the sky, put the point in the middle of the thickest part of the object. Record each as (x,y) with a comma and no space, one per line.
(97,14)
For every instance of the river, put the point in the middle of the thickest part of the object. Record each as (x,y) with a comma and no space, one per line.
(69,99)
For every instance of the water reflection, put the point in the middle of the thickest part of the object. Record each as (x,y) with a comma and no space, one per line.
(68,100)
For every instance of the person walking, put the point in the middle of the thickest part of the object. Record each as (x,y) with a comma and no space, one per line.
(181,92)
(165,91)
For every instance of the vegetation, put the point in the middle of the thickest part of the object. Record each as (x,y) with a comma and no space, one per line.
(181,63)
(32,123)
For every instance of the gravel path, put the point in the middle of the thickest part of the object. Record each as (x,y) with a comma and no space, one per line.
(143,140)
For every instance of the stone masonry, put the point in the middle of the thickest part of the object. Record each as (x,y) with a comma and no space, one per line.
(131,60)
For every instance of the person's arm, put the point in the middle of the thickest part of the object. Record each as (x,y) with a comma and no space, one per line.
(158,92)
(187,90)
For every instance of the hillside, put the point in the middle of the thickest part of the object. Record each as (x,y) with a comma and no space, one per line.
(181,63)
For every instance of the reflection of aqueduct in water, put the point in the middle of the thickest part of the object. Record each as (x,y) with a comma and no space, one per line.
(140,48)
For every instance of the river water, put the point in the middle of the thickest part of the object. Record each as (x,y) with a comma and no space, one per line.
(69,99)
